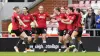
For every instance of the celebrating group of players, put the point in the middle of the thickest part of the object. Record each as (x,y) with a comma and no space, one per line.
(69,29)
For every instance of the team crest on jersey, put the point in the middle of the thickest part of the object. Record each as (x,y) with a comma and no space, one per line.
(41,16)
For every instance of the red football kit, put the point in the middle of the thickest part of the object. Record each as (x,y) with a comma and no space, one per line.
(71,17)
(41,19)
(27,19)
(79,20)
(62,26)
(15,22)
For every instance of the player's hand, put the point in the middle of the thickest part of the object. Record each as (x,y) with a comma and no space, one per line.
(25,26)
(53,20)
(59,19)
(62,21)
(36,25)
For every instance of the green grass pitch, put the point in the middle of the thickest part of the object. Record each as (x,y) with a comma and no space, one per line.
(49,54)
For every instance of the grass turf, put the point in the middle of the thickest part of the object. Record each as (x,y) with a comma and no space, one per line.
(49,54)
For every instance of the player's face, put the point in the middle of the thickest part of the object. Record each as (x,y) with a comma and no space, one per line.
(62,9)
(17,10)
(69,11)
(41,9)
(76,11)
(56,11)
(25,10)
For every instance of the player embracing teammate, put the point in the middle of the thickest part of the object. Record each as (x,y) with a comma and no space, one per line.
(60,14)
(74,29)
(69,29)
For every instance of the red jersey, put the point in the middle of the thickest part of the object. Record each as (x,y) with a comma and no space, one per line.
(41,19)
(73,18)
(27,19)
(79,20)
(62,26)
(15,22)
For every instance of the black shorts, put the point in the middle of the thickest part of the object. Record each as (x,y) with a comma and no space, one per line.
(40,31)
(69,32)
(17,32)
(33,30)
(79,30)
(62,32)
(28,33)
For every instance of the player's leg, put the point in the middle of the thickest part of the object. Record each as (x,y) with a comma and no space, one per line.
(66,40)
(73,36)
(43,32)
(60,40)
(25,38)
(29,34)
(37,33)
(81,44)
(19,42)
(79,39)
(17,32)
(22,36)
(34,40)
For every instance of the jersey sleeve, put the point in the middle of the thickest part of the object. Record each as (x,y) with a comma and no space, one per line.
(34,14)
(32,18)
(16,16)
(21,16)
(73,17)
(47,15)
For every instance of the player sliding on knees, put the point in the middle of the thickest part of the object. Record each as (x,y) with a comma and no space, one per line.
(40,21)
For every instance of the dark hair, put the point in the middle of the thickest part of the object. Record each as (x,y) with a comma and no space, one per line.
(26,9)
(57,8)
(83,12)
(71,8)
(16,7)
(77,9)
(91,9)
